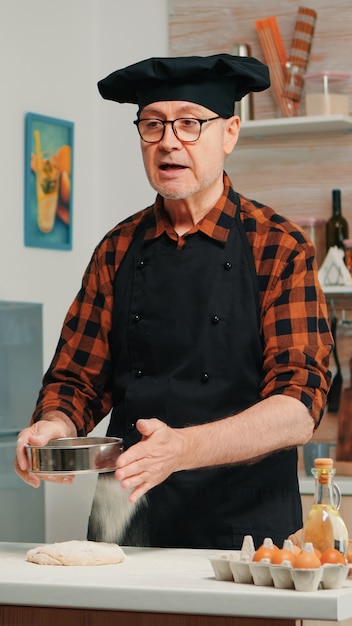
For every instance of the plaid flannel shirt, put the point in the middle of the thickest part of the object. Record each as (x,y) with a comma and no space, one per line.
(293,314)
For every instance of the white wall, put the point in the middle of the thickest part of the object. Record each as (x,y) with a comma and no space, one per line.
(51,56)
(43,70)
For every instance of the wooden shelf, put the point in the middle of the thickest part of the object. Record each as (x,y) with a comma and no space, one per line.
(336,290)
(303,124)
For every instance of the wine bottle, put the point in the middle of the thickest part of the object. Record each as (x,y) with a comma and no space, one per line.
(336,226)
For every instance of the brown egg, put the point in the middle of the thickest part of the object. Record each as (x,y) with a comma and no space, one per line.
(307,560)
(332,556)
(282,555)
(264,552)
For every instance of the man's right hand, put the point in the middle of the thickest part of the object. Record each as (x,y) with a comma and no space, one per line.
(53,425)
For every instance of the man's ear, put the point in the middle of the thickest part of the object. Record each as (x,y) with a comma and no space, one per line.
(231,133)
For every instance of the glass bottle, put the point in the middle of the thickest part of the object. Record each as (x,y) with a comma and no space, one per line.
(324,526)
(337,225)
(348,254)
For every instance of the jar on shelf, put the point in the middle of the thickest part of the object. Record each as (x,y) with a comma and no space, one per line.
(315,229)
(327,93)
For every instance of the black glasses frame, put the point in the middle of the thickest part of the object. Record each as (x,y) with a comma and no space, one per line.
(172,122)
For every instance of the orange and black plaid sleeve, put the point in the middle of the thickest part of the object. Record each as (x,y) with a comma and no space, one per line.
(78,381)
(294,321)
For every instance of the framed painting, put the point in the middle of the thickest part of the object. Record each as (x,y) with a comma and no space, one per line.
(48,182)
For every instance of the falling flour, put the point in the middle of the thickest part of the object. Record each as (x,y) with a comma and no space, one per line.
(111,510)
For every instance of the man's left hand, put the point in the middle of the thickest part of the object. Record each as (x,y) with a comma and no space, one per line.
(150,461)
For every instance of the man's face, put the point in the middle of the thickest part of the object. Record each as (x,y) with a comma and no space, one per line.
(179,170)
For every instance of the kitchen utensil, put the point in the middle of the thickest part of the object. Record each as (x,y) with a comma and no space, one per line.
(244,108)
(334,395)
(275,57)
(344,437)
(75,455)
(300,52)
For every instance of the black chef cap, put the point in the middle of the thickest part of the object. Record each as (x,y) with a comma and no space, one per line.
(215,82)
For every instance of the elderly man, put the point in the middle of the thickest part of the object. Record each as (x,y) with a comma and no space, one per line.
(200,323)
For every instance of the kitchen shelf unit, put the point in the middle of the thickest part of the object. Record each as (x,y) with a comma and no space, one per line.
(259,129)
(299,124)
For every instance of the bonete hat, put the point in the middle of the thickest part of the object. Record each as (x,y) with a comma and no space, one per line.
(215,82)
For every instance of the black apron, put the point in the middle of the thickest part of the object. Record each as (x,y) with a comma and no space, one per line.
(186,349)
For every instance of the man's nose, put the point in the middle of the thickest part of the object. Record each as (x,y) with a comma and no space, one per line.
(169,138)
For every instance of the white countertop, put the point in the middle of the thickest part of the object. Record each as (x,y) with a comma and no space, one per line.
(164,580)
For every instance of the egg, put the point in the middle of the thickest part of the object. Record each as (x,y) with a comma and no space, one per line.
(282,555)
(265,551)
(332,556)
(306,560)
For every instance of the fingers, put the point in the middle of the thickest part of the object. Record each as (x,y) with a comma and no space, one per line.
(149,426)
(58,479)
(39,434)
(34,480)
(296,537)
(147,463)
(34,435)
(138,484)
(27,477)
(137,493)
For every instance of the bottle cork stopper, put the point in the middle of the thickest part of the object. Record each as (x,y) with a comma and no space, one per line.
(324,467)
(321,464)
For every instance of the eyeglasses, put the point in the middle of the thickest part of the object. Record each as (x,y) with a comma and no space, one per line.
(186,129)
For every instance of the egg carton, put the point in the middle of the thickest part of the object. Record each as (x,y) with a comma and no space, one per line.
(239,566)
(228,566)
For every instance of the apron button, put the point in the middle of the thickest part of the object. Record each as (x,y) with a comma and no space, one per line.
(227,265)
(136,317)
(141,264)
(139,373)
(205,377)
(215,319)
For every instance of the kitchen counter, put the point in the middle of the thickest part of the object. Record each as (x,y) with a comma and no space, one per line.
(166,581)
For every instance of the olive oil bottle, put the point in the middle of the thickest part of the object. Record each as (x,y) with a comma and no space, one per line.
(324,526)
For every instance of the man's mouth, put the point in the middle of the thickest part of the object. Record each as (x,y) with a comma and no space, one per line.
(171,166)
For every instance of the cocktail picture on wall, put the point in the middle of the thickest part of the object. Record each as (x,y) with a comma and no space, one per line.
(48,182)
